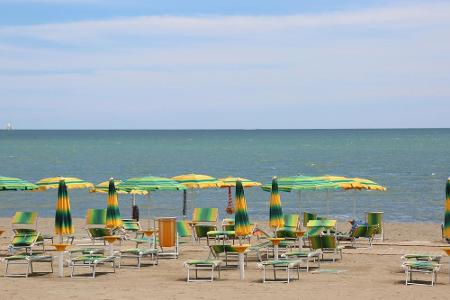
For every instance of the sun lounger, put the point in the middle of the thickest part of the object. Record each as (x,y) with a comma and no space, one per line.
(308,217)
(327,244)
(359,232)
(25,241)
(196,265)
(91,262)
(96,225)
(421,257)
(28,260)
(291,225)
(227,253)
(184,230)
(132,226)
(307,256)
(139,254)
(25,222)
(376,219)
(423,267)
(286,265)
(220,235)
(204,220)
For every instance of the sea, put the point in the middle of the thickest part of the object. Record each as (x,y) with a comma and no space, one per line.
(413,164)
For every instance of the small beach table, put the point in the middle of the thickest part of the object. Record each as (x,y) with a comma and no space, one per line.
(111,239)
(275,243)
(300,234)
(148,233)
(61,248)
(241,249)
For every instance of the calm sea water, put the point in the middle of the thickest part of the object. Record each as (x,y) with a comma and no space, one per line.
(413,164)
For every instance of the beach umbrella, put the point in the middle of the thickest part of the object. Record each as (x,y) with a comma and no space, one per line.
(242,226)
(113,219)
(63,218)
(15,184)
(195,181)
(276,219)
(229,182)
(71,183)
(447,211)
(151,183)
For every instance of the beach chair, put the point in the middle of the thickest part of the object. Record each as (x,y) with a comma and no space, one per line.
(291,225)
(91,261)
(227,253)
(27,260)
(26,222)
(376,218)
(24,241)
(184,230)
(228,224)
(327,244)
(199,265)
(204,220)
(167,237)
(359,232)
(277,265)
(305,255)
(421,267)
(421,257)
(132,226)
(308,217)
(95,225)
(139,254)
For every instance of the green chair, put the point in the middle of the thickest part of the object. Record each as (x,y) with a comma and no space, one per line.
(361,231)
(423,267)
(139,254)
(228,224)
(95,225)
(132,226)
(227,253)
(305,255)
(276,265)
(291,225)
(91,261)
(308,217)
(26,222)
(376,218)
(198,265)
(184,230)
(203,221)
(327,244)
(28,260)
(25,241)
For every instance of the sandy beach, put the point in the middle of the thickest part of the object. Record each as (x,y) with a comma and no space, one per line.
(367,273)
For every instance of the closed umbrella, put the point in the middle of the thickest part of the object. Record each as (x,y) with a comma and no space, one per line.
(113,219)
(229,182)
(276,219)
(242,226)
(447,211)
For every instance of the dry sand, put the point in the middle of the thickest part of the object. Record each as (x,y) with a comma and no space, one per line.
(369,274)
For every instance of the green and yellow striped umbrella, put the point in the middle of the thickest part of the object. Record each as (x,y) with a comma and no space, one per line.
(113,219)
(103,187)
(71,183)
(276,219)
(241,222)
(347,183)
(302,183)
(63,218)
(447,211)
(229,182)
(151,183)
(15,184)
(198,181)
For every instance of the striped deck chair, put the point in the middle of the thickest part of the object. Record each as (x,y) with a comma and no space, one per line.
(228,224)
(423,267)
(28,260)
(308,217)
(139,254)
(291,224)
(306,255)
(25,241)
(95,225)
(26,222)
(204,220)
(376,218)
(132,226)
(327,244)
(197,265)
(92,262)
(283,264)
(184,230)
(227,253)
(361,231)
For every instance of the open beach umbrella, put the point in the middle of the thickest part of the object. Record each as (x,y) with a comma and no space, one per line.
(15,184)
(63,218)
(242,226)
(71,183)
(276,219)
(195,181)
(229,182)
(447,211)
(151,183)
(113,219)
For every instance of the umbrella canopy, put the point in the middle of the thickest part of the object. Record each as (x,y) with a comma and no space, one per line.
(229,182)
(113,219)
(71,183)
(276,219)
(347,183)
(302,183)
(63,218)
(447,211)
(103,187)
(151,183)
(198,181)
(241,222)
(15,184)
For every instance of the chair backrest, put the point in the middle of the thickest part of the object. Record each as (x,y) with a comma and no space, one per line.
(184,229)
(24,219)
(208,214)
(167,232)
(98,232)
(375,218)
(228,224)
(201,231)
(322,223)
(131,225)
(308,217)
(216,250)
(291,220)
(359,231)
(322,242)
(24,239)
(96,217)
(315,242)
(372,230)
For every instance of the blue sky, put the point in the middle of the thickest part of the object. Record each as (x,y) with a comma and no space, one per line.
(224,64)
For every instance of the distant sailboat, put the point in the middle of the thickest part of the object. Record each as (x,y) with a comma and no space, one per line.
(9,126)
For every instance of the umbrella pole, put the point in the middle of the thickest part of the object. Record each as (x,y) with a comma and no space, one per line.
(354,207)
(148,210)
(328,205)
(184,203)
(61,259)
